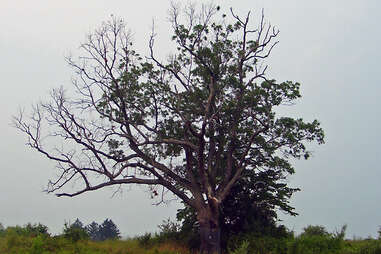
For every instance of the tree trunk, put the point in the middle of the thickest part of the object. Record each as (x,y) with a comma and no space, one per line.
(209,232)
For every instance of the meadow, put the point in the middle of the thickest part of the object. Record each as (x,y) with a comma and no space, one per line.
(34,239)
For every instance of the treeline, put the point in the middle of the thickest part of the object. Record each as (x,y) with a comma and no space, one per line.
(314,239)
(172,238)
(76,231)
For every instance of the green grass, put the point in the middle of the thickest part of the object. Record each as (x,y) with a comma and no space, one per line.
(14,242)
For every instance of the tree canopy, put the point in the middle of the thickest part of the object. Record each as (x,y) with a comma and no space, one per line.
(108,230)
(194,124)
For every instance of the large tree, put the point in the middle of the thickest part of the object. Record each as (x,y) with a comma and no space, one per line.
(193,123)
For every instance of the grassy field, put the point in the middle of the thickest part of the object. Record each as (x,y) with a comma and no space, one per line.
(17,244)
(18,240)
(44,244)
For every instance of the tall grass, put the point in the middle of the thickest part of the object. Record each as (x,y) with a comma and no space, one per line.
(16,240)
(18,244)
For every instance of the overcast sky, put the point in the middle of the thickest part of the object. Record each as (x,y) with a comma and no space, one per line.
(330,46)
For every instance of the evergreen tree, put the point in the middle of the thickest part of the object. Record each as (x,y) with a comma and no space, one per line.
(108,230)
(77,224)
(93,229)
(75,231)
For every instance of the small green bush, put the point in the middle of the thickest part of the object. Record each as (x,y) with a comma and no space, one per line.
(316,230)
(369,247)
(256,244)
(145,240)
(37,245)
(315,244)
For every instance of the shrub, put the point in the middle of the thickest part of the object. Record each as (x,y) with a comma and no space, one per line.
(315,244)
(145,240)
(369,247)
(169,227)
(36,229)
(2,230)
(37,245)
(256,244)
(170,231)
(314,231)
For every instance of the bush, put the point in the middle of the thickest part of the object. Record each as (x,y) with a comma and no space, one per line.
(36,229)
(314,231)
(315,244)
(29,230)
(256,244)
(2,230)
(170,231)
(363,247)
(37,245)
(184,235)
(145,240)
(316,239)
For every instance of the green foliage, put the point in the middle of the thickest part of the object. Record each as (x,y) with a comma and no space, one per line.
(38,244)
(2,230)
(93,231)
(259,244)
(145,240)
(203,124)
(108,230)
(245,211)
(364,247)
(75,232)
(27,230)
(15,241)
(243,249)
(316,244)
(210,108)
(316,239)
(169,227)
(36,229)
(317,230)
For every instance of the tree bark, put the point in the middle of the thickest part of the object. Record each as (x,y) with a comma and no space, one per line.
(209,232)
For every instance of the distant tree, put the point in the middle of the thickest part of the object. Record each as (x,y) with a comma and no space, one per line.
(192,124)
(93,231)
(2,229)
(169,227)
(108,230)
(77,224)
(36,229)
(75,231)
(314,230)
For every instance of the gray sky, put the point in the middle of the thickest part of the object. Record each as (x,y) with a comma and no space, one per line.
(331,47)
